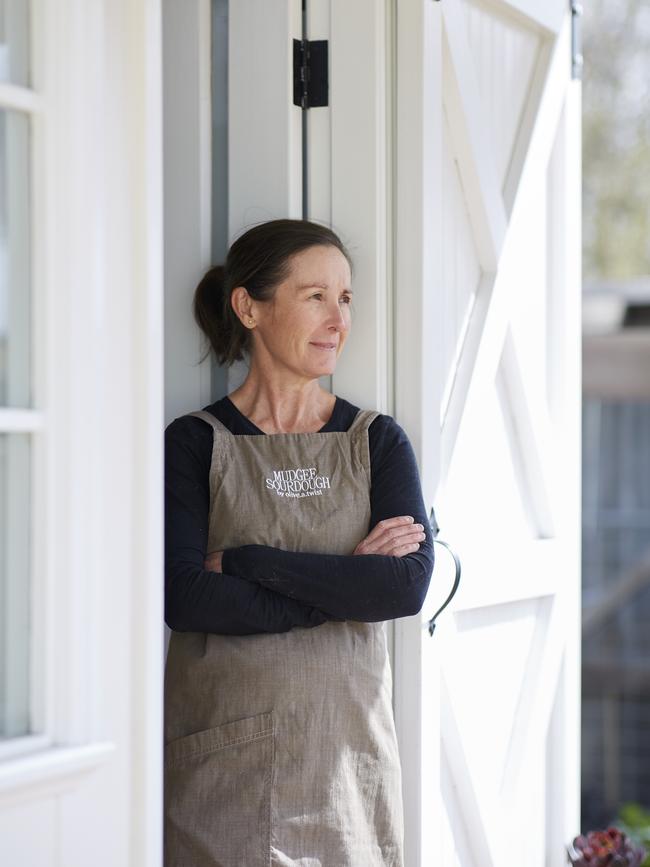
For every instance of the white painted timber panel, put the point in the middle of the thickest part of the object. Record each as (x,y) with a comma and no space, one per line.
(502,666)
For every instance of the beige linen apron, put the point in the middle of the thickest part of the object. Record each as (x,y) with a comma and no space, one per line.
(280,748)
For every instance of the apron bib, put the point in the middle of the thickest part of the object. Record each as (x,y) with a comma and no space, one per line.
(280,749)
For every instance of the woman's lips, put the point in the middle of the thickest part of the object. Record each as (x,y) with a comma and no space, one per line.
(330,347)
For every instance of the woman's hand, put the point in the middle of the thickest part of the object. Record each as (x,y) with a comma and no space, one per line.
(213,561)
(393,537)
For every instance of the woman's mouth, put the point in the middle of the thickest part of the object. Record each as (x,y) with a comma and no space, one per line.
(328,347)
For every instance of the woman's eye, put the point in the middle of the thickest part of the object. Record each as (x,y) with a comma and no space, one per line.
(346,299)
(317,295)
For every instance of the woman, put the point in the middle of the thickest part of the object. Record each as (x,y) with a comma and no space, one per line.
(295,528)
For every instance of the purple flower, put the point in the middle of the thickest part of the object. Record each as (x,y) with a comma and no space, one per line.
(609,848)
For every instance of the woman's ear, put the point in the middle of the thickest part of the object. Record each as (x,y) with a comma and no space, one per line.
(241,303)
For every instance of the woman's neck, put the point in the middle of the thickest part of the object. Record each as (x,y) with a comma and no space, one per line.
(281,408)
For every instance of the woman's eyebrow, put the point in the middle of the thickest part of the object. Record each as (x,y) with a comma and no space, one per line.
(319,286)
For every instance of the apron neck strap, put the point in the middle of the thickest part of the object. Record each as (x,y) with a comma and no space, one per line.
(362,420)
(217,426)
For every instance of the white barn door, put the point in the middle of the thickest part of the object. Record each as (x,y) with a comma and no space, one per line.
(488,371)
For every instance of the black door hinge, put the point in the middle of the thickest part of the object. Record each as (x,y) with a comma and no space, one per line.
(310,73)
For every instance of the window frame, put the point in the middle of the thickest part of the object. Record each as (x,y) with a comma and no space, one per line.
(64,611)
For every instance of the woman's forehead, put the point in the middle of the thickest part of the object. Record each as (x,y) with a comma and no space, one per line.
(326,267)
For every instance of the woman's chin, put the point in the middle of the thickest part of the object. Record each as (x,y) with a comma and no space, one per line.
(321,370)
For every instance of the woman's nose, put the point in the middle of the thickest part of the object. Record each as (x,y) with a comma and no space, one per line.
(338,320)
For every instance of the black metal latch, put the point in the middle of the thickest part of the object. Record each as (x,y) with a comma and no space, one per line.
(435,529)
(310,73)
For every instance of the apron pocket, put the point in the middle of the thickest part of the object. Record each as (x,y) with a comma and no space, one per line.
(218,795)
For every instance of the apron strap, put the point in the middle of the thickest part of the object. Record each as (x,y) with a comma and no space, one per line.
(362,420)
(217,426)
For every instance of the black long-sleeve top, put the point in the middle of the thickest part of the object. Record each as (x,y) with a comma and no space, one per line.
(266,589)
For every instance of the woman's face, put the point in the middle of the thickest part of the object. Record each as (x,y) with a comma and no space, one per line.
(303,328)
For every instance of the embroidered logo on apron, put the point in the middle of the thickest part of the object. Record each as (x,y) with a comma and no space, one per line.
(299,482)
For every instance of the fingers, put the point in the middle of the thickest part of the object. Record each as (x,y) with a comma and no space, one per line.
(213,561)
(388,524)
(402,541)
(393,535)
(402,550)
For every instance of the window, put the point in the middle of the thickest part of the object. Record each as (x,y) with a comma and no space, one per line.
(18,418)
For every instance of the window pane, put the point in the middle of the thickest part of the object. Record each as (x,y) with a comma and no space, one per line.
(15,532)
(14,42)
(15,376)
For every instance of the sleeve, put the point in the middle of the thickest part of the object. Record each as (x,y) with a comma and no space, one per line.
(369,587)
(198,600)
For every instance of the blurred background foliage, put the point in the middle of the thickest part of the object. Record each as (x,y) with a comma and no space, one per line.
(635,822)
(616,139)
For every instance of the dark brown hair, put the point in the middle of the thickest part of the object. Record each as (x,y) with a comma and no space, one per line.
(258,260)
